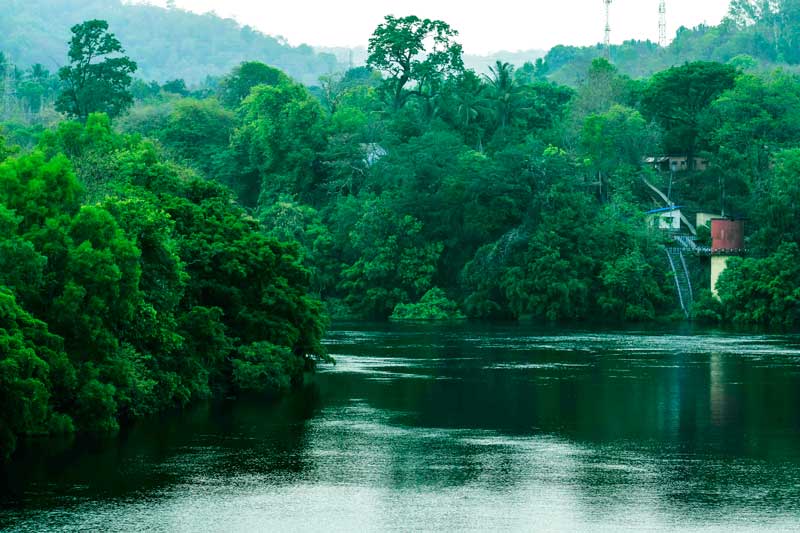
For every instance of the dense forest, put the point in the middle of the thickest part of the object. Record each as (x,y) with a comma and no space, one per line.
(128,282)
(161,245)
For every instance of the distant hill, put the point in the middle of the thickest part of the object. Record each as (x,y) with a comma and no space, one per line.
(173,43)
(480,64)
(349,57)
(750,38)
(166,43)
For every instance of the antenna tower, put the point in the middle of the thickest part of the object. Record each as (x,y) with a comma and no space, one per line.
(662,23)
(607,41)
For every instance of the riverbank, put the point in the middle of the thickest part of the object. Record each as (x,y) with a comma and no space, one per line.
(483,426)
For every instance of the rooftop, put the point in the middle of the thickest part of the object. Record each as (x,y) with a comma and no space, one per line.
(664,210)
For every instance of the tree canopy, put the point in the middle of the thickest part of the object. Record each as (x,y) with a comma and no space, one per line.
(195,248)
(416,54)
(98,78)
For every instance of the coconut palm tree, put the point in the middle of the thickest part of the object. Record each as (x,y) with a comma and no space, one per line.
(469,99)
(505,91)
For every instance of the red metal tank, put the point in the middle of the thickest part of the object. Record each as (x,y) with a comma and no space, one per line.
(727,235)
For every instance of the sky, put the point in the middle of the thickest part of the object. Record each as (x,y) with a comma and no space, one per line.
(484,27)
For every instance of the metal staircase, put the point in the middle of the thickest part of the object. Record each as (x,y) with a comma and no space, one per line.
(687,242)
(683,281)
(684,244)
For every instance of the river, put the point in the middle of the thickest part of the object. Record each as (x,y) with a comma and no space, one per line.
(456,427)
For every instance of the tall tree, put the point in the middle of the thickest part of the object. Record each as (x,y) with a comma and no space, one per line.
(505,91)
(416,53)
(98,78)
(236,86)
(678,97)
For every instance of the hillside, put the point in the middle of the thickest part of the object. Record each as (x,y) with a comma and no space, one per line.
(173,43)
(749,37)
(166,43)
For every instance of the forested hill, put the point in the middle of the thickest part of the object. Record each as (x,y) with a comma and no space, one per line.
(166,43)
(751,36)
(173,43)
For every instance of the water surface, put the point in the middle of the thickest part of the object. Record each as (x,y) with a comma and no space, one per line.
(458,427)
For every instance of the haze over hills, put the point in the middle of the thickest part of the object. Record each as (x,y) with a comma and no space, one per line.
(166,43)
(479,63)
(174,43)
(169,43)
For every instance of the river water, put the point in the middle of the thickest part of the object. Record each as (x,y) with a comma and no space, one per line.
(456,427)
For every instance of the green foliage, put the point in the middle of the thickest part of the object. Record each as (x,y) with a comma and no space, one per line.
(92,86)
(5,150)
(745,128)
(276,149)
(678,97)
(778,204)
(756,35)
(394,262)
(630,289)
(197,132)
(236,86)
(29,354)
(38,187)
(434,305)
(160,292)
(289,221)
(570,259)
(22,267)
(763,291)
(92,149)
(26,94)
(133,280)
(263,367)
(707,308)
(416,53)
(615,144)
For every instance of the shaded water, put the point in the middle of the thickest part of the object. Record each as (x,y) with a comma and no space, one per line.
(459,427)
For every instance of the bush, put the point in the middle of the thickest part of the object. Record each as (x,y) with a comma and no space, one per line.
(763,291)
(266,368)
(434,305)
(707,308)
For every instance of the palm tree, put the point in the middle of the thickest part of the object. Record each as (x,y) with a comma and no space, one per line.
(470,103)
(505,91)
(39,73)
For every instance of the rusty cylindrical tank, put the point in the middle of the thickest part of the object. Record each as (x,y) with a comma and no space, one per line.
(727,235)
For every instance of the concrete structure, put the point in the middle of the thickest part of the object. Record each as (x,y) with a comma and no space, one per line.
(373,152)
(666,218)
(676,163)
(704,219)
(727,241)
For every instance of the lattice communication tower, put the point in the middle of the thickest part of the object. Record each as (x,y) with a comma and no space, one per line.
(607,41)
(662,23)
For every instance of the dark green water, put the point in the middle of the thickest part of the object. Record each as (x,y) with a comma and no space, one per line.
(463,427)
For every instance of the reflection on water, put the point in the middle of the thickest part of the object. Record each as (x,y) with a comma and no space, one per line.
(457,427)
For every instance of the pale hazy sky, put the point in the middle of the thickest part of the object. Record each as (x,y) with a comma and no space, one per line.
(484,27)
